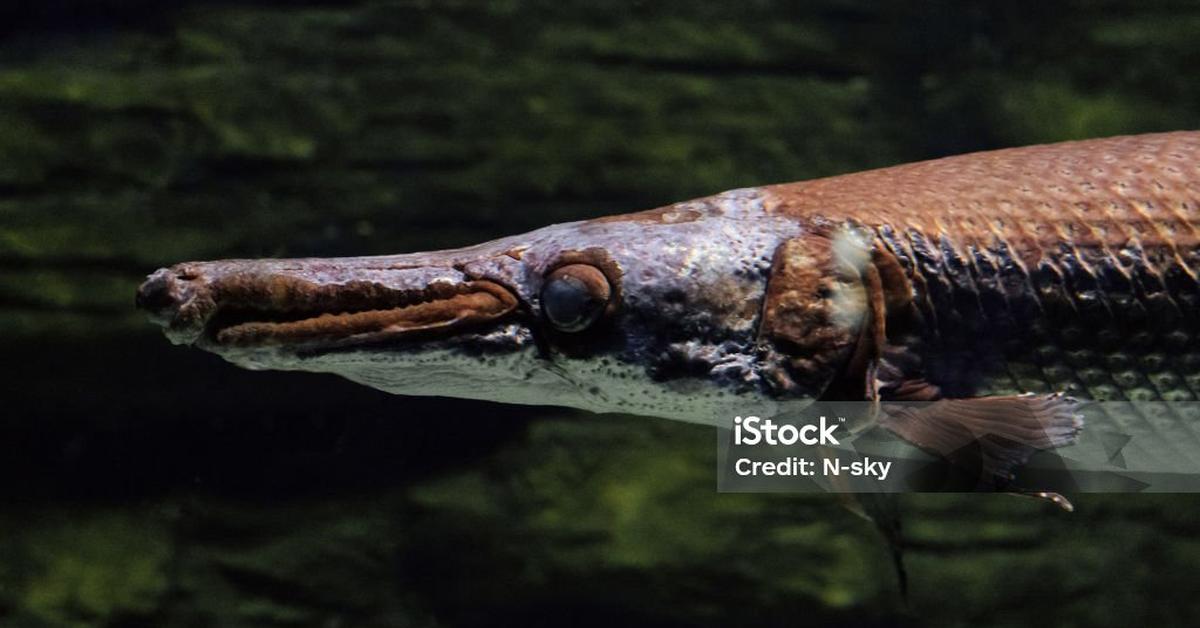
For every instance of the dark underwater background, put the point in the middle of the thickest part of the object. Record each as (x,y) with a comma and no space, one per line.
(143,484)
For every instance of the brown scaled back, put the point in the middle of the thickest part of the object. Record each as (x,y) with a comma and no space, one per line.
(1090,194)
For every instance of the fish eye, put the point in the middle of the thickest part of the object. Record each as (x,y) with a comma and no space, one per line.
(575,296)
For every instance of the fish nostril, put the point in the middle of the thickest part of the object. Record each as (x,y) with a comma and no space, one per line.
(177,300)
(157,293)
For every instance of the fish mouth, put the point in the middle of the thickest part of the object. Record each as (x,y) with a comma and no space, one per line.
(383,315)
(251,310)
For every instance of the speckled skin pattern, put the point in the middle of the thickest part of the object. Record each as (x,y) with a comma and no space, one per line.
(1068,267)
(1061,268)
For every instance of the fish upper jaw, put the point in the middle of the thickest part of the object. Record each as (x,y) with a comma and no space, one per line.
(317,303)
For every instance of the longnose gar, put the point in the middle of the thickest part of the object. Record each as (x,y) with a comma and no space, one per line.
(1003,283)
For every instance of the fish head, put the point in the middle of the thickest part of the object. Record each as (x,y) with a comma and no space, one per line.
(656,313)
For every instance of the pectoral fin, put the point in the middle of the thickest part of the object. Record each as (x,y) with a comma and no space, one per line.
(990,436)
(987,437)
(883,509)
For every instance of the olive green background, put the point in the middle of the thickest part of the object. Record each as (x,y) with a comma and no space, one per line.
(148,485)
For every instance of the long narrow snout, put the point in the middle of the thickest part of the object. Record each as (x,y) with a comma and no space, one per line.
(316,303)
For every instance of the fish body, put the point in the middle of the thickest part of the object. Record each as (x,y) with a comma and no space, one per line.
(995,285)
